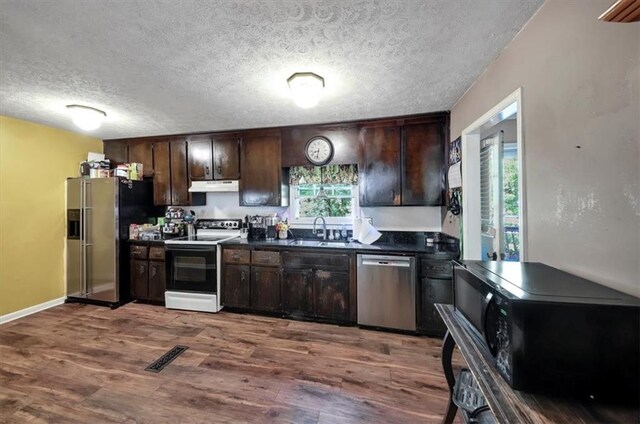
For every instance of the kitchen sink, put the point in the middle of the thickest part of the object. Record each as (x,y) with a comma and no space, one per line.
(314,243)
(333,243)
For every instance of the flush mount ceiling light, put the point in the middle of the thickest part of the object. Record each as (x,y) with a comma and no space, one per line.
(306,88)
(85,117)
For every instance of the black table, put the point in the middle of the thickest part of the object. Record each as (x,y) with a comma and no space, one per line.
(506,404)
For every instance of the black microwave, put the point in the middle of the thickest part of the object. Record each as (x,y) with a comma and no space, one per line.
(552,332)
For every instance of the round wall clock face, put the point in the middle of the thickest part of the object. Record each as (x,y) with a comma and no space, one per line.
(319,150)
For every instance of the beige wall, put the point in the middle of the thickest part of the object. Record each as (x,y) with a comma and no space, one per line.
(35,160)
(580,87)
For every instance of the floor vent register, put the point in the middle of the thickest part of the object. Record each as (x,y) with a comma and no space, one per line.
(166,359)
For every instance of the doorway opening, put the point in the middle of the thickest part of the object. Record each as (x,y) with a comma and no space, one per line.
(493,184)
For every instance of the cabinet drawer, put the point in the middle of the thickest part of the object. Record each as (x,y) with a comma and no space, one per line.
(138,252)
(156,253)
(336,261)
(435,268)
(236,256)
(261,257)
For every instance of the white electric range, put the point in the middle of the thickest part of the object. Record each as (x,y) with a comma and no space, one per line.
(193,265)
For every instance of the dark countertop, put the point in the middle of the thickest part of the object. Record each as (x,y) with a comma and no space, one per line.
(437,250)
(144,242)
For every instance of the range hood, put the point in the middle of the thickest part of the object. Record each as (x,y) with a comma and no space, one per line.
(213,186)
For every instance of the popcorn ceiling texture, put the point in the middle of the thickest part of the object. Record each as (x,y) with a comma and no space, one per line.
(162,67)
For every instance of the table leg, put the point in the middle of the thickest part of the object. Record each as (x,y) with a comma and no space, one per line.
(447,354)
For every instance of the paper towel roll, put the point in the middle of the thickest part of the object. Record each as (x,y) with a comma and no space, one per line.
(367,234)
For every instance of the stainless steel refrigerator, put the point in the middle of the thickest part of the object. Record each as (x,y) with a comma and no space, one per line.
(99,211)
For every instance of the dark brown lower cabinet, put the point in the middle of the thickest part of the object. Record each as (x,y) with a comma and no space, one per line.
(157,281)
(432,291)
(331,294)
(147,274)
(297,291)
(265,288)
(139,278)
(236,286)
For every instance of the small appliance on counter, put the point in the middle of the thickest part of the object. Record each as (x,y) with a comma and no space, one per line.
(270,223)
(257,227)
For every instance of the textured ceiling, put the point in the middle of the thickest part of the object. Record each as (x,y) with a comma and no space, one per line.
(163,67)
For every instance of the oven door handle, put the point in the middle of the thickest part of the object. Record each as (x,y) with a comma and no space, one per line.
(189,248)
(483,318)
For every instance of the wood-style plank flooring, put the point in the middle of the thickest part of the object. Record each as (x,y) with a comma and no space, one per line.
(82,363)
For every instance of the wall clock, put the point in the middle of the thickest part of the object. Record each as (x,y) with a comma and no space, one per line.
(319,150)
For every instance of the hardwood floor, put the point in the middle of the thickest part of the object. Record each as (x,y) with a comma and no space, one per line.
(83,363)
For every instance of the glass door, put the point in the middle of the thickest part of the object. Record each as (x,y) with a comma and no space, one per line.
(192,269)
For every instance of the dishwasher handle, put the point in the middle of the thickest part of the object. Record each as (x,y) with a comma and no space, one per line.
(397,263)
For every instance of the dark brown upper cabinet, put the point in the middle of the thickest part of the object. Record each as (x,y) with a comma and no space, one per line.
(226,157)
(423,164)
(379,165)
(162,173)
(200,156)
(402,161)
(117,151)
(142,152)
(179,177)
(263,181)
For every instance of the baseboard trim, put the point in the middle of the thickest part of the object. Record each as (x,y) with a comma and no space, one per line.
(31,310)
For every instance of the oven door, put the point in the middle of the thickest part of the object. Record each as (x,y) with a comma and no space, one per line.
(191,268)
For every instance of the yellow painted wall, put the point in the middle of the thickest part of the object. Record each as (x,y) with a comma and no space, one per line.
(35,160)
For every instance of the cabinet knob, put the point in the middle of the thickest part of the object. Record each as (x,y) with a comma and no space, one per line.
(206,170)
(242,276)
(219,170)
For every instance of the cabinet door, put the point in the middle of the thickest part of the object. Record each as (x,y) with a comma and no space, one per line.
(162,173)
(236,286)
(157,281)
(116,151)
(434,291)
(265,288)
(139,279)
(142,152)
(261,171)
(297,292)
(179,178)
(423,164)
(226,157)
(380,166)
(331,294)
(200,159)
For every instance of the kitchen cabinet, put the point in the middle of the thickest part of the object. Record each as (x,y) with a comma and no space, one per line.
(263,182)
(139,278)
(117,151)
(265,288)
(236,286)
(226,157)
(331,294)
(401,162)
(162,173)
(157,281)
(179,178)
(147,273)
(435,285)
(379,166)
(318,285)
(423,164)
(141,151)
(297,292)
(200,157)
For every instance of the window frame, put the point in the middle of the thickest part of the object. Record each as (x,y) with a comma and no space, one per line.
(294,207)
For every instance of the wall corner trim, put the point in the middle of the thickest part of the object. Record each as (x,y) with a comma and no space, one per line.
(31,310)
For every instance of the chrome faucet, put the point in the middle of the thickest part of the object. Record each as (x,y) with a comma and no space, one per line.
(324,227)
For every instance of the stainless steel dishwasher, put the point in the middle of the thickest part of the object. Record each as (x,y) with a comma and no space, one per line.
(387,291)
